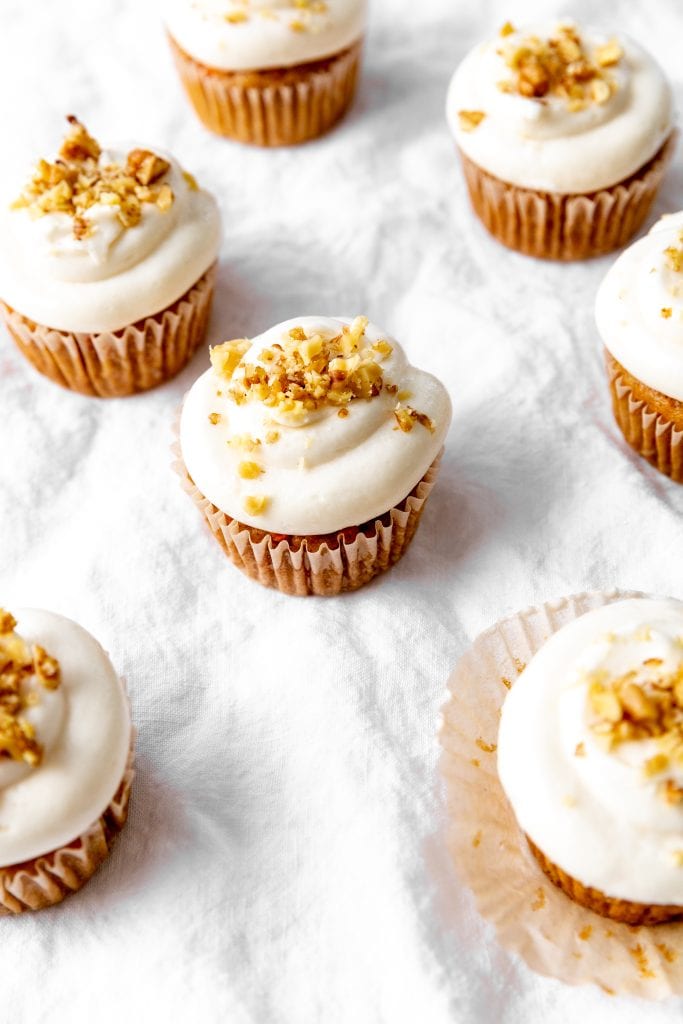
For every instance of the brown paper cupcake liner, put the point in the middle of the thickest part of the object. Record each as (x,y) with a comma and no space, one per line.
(316,565)
(565,227)
(47,880)
(553,934)
(651,422)
(279,107)
(118,363)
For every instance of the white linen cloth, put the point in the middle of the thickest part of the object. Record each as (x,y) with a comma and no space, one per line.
(284,862)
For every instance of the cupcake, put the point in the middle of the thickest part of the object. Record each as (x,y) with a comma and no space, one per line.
(564,137)
(639,313)
(590,755)
(311,450)
(268,72)
(66,745)
(107,267)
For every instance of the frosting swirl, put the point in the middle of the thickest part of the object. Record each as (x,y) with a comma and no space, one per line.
(89,258)
(590,750)
(639,308)
(249,35)
(84,730)
(288,462)
(559,111)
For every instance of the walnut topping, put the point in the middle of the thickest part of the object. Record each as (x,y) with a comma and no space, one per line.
(19,666)
(674,256)
(470,119)
(77,181)
(561,66)
(255,505)
(507,29)
(644,704)
(666,312)
(304,372)
(249,470)
(406,417)
(214,418)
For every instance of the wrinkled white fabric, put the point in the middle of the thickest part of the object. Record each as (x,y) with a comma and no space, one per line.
(285,859)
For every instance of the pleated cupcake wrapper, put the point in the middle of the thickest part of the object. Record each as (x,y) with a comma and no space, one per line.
(565,227)
(47,880)
(271,108)
(648,431)
(534,919)
(118,363)
(312,567)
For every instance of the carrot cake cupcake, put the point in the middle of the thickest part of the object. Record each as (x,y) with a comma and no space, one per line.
(590,755)
(639,313)
(311,451)
(65,758)
(107,266)
(269,72)
(564,136)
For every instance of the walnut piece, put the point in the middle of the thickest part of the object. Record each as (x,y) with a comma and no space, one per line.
(20,667)
(644,704)
(560,66)
(78,180)
(470,119)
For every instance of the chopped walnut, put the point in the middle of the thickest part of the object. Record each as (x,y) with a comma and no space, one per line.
(674,256)
(470,119)
(666,312)
(255,505)
(643,704)
(214,418)
(304,372)
(561,66)
(249,470)
(77,181)
(20,666)
(407,418)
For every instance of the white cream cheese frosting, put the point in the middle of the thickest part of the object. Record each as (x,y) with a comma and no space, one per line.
(639,308)
(253,35)
(324,471)
(84,728)
(550,143)
(602,815)
(115,275)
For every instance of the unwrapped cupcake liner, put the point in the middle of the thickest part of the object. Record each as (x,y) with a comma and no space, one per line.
(117,363)
(650,431)
(47,880)
(533,918)
(318,565)
(565,227)
(279,107)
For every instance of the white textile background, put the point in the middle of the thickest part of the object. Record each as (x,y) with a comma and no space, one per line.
(284,862)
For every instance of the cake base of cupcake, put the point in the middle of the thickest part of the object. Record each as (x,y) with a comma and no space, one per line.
(47,880)
(565,227)
(115,364)
(323,565)
(651,422)
(627,912)
(276,107)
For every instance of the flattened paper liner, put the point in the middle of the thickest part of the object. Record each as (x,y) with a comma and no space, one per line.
(113,364)
(319,565)
(47,880)
(566,227)
(533,918)
(278,107)
(649,431)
